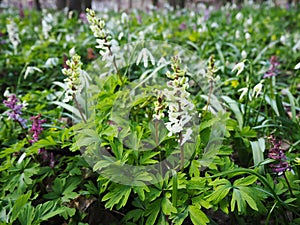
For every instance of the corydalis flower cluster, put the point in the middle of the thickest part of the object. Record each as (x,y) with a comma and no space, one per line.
(73,80)
(277,153)
(106,44)
(15,109)
(36,128)
(272,71)
(179,106)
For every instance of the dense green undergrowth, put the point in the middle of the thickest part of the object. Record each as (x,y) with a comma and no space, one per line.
(164,117)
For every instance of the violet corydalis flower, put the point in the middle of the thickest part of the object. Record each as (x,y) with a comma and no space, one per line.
(277,153)
(272,71)
(47,157)
(36,128)
(15,109)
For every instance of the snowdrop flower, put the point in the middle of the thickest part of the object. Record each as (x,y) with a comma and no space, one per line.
(296,46)
(31,70)
(145,54)
(249,21)
(237,34)
(214,25)
(13,34)
(124,18)
(244,92)
(47,23)
(51,62)
(247,36)
(284,39)
(297,67)
(239,67)
(257,89)
(161,61)
(244,54)
(239,16)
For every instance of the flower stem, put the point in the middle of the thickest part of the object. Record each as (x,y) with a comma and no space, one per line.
(288,184)
(79,108)
(181,151)
(23,128)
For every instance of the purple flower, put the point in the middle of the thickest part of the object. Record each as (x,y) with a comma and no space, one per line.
(36,128)
(182,26)
(83,18)
(21,11)
(272,71)
(15,110)
(277,153)
(47,157)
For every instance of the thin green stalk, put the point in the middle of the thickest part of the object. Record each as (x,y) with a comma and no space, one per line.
(288,184)
(181,151)
(79,108)
(269,214)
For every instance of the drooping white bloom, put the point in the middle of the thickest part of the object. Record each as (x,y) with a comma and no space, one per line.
(124,18)
(239,67)
(244,92)
(284,39)
(145,55)
(257,89)
(247,36)
(46,28)
(249,21)
(244,54)
(214,25)
(51,62)
(237,34)
(31,70)
(161,61)
(297,67)
(239,16)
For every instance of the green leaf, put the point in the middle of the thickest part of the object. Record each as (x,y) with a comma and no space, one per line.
(146,158)
(233,105)
(167,206)
(26,215)
(245,181)
(71,109)
(179,218)
(140,190)
(197,216)
(219,193)
(152,211)
(134,215)
(246,194)
(47,210)
(237,200)
(118,195)
(258,148)
(20,202)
